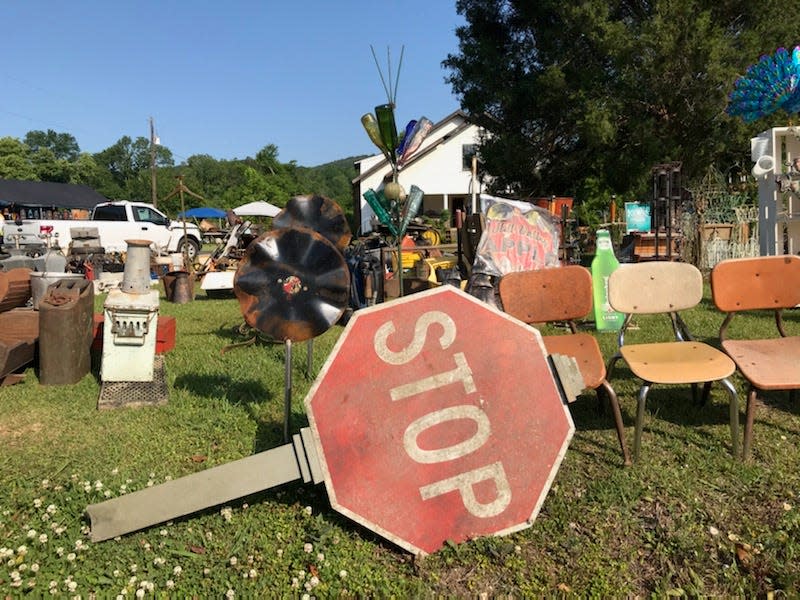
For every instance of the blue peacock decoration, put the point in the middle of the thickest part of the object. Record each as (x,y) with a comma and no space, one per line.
(771,84)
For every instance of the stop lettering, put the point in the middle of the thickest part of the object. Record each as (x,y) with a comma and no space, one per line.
(437,418)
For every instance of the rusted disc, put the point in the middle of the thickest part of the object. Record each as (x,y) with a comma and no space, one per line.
(318,213)
(292,284)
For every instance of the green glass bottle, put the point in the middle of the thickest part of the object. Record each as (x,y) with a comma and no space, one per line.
(603,264)
(387,126)
(380,210)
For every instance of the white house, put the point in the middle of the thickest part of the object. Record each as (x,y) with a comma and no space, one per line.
(441,168)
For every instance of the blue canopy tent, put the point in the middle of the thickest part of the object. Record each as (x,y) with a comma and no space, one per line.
(203,212)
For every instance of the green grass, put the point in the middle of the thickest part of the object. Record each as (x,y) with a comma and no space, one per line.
(687,519)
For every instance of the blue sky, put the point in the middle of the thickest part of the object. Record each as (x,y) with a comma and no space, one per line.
(223,78)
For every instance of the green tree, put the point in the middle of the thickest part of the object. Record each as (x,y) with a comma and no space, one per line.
(50,168)
(15,160)
(124,165)
(63,145)
(601,90)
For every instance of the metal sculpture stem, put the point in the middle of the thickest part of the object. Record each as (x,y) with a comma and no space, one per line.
(287,391)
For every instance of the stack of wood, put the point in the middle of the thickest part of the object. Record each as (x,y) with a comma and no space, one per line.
(19,325)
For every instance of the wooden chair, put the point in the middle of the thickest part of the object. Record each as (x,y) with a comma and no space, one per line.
(768,283)
(666,288)
(563,294)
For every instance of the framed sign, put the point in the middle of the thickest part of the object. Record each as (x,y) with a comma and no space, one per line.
(637,216)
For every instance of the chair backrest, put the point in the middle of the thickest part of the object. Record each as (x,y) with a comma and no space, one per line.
(555,294)
(765,282)
(655,287)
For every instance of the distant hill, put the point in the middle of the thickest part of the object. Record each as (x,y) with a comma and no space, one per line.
(332,180)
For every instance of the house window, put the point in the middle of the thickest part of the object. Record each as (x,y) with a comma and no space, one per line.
(467,152)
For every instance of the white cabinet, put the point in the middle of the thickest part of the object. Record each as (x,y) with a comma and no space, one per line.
(776,153)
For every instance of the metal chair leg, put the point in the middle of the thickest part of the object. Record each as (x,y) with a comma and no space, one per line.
(637,439)
(612,361)
(748,423)
(734,411)
(612,397)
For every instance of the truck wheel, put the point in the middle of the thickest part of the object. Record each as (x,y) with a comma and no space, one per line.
(191,246)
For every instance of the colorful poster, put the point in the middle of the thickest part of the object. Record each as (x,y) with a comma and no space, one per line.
(518,236)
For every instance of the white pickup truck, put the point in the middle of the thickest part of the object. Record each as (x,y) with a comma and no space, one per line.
(115,223)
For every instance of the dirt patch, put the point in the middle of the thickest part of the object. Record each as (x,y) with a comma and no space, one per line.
(11,434)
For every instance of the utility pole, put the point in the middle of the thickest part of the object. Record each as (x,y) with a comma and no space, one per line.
(153,185)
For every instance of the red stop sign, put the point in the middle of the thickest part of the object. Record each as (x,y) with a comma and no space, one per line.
(437,418)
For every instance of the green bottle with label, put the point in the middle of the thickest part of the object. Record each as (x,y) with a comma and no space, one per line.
(603,264)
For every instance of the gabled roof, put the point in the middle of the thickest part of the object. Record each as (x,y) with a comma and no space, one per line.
(426,149)
(48,194)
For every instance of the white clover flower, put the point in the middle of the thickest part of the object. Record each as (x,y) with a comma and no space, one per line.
(170,584)
(279,552)
(59,530)
(31,533)
(116,572)
(163,532)
(713,530)
(79,545)
(72,586)
(60,550)
(227,513)
(115,471)
(98,485)
(37,503)
(45,517)
(133,568)
(45,483)
(308,510)
(314,581)
(146,546)
(51,509)
(53,584)
(85,530)
(87,487)
(230,594)
(15,575)
(342,574)
(233,560)
(308,547)
(295,582)
(158,561)
(308,587)
(206,572)
(58,488)
(787,506)
(177,570)
(150,483)
(43,538)
(107,493)
(320,557)
(35,568)
(71,556)
(305,597)
(140,593)
(167,477)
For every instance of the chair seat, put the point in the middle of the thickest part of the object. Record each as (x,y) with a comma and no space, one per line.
(586,352)
(677,362)
(768,364)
